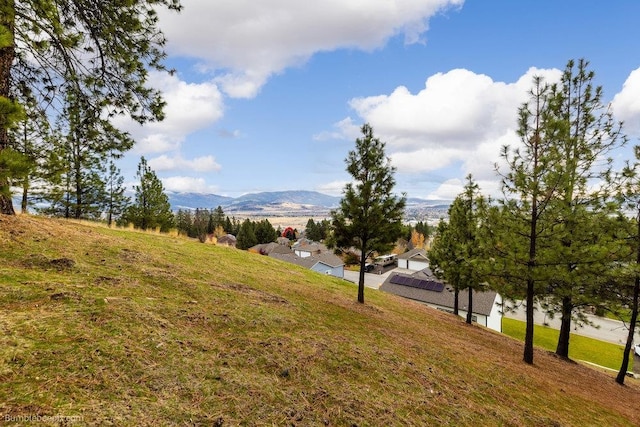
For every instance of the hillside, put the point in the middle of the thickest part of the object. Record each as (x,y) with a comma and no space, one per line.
(118,327)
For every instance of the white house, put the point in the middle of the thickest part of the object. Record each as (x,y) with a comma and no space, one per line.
(423,286)
(415,259)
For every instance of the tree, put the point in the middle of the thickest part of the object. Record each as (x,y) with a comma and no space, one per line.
(200,224)
(457,255)
(217,218)
(99,51)
(516,228)
(116,201)
(264,232)
(369,216)
(630,198)
(442,259)
(151,207)
(584,132)
(246,237)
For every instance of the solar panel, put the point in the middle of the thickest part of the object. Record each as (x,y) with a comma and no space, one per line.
(414,282)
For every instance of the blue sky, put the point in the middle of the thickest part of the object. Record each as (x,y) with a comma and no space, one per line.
(269,95)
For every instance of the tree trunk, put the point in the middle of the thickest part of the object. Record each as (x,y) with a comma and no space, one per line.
(634,315)
(7,20)
(470,307)
(25,196)
(565,328)
(363,261)
(632,329)
(528,336)
(456,305)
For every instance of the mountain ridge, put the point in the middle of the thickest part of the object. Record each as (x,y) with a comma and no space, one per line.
(292,199)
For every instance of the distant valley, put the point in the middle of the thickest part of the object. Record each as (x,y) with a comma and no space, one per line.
(307,204)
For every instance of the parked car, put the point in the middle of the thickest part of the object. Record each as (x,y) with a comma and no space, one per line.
(368,268)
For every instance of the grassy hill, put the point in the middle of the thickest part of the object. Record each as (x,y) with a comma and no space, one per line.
(117,327)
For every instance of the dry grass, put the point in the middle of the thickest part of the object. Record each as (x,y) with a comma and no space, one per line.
(123,328)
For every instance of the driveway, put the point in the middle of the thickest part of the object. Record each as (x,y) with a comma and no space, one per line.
(373,280)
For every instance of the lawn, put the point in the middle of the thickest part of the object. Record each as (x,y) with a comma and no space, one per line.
(580,348)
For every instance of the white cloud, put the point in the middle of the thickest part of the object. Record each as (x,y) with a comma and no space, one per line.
(333,188)
(198,164)
(245,42)
(626,104)
(344,129)
(459,118)
(190,107)
(187,184)
(448,190)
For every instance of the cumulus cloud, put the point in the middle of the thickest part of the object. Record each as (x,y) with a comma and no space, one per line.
(187,184)
(333,188)
(198,164)
(190,107)
(344,129)
(245,42)
(626,104)
(460,117)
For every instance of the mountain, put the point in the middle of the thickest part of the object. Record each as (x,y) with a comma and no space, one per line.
(197,200)
(291,200)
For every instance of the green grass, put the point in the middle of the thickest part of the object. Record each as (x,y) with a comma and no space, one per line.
(581,348)
(127,328)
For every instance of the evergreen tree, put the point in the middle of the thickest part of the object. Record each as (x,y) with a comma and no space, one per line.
(217,218)
(584,132)
(369,217)
(116,201)
(101,51)
(151,207)
(443,259)
(246,237)
(517,228)
(31,138)
(457,253)
(201,224)
(264,232)
(313,231)
(184,221)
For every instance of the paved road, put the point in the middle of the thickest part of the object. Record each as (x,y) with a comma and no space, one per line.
(606,329)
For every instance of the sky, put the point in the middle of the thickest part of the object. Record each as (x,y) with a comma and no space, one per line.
(270,95)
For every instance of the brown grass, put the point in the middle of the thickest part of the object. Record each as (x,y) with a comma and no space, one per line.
(124,328)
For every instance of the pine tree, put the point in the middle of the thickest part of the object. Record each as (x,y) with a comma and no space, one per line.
(246,237)
(150,208)
(584,132)
(100,51)
(369,217)
(516,228)
(116,201)
(458,252)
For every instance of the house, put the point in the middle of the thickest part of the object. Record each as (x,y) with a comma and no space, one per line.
(308,248)
(424,287)
(325,263)
(268,248)
(227,240)
(415,259)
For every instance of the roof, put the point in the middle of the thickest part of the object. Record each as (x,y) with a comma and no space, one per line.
(227,239)
(308,262)
(269,248)
(483,302)
(414,253)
